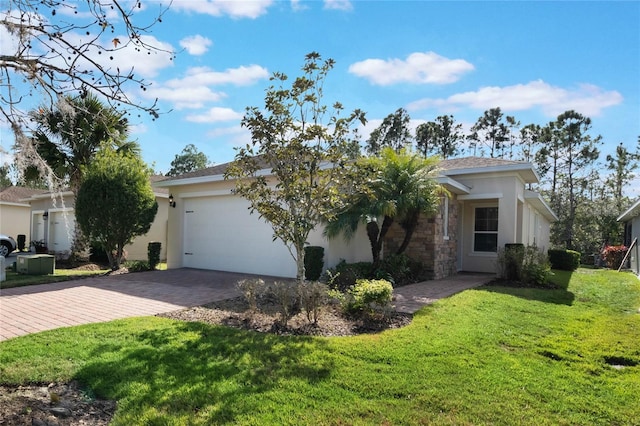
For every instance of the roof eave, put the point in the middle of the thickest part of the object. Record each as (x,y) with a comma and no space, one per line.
(630,213)
(539,203)
(526,170)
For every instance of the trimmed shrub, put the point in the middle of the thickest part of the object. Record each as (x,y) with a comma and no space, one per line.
(564,260)
(22,241)
(369,294)
(313,262)
(153,254)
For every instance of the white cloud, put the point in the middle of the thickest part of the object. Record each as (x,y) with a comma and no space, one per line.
(587,99)
(297,5)
(214,115)
(418,68)
(184,97)
(196,45)
(235,9)
(194,89)
(338,4)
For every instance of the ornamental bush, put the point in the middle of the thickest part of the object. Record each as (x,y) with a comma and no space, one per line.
(366,295)
(313,262)
(564,260)
(614,255)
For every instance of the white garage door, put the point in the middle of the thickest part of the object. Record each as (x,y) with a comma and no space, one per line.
(220,234)
(61,229)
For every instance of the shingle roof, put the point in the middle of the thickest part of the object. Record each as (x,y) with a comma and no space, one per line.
(476,162)
(13,194)
(450,164)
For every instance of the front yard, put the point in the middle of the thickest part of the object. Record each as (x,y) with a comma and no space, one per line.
(494,355)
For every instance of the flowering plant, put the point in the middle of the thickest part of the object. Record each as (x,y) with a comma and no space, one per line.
(613,255)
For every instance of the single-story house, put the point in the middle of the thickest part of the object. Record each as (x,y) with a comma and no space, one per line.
(15,214)
(53,221)
(489,206)
(631,220)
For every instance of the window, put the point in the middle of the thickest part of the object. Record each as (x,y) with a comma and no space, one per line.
(485,235)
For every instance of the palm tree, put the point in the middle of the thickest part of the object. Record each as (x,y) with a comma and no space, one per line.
(68,137)
(396,186)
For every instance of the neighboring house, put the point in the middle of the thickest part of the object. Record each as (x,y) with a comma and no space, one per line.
(53,221)
(631,221)
(210,228)
(15,214)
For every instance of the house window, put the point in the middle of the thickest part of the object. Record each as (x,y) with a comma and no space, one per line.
(485,235)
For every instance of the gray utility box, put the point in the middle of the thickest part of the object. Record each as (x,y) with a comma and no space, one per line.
(36,264)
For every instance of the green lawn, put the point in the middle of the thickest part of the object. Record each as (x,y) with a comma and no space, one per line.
(15,279)
(493,355)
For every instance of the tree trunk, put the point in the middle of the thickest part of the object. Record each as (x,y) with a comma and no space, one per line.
(300,272)
(409,225)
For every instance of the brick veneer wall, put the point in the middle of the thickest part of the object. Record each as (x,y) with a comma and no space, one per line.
(428,244)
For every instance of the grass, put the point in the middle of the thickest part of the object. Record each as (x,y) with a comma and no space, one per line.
(494,355)
(15,279)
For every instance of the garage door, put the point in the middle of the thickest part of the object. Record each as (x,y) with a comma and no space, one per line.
(220,234)
(61,229)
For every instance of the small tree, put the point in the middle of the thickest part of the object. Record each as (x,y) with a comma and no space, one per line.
(394,187)
(189,160)
(307,155)
(115,202)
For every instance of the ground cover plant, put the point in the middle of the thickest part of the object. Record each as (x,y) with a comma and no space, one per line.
(493,355)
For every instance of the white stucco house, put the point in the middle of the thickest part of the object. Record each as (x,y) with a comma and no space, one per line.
(489,206)
(15,214)
(631,220)
(52,220)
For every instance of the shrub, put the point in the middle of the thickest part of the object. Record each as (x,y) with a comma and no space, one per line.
(368,294)
(614,255)
(285,296)
(251,289)
(313,262)
(137,265)
(97,254)
(153,254)
(510,261)
(22,240)
(313,295)
(344,275)
(536,268)
(399,269)
(565,260)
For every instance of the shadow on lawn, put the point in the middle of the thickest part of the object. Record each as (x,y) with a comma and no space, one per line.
(556,293)
(200,371)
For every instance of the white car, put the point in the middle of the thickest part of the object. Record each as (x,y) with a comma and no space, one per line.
(7,245)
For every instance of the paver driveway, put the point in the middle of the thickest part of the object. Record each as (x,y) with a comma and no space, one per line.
(31,309)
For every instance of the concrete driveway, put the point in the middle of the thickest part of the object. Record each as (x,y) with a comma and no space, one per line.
(30,309)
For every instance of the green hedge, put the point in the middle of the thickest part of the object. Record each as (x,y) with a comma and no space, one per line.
(565,260)
(313,262)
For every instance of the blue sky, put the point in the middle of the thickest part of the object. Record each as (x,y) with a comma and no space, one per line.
(532,59)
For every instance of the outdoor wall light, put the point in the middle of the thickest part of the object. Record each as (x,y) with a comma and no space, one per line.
(45,215)
(172,202)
